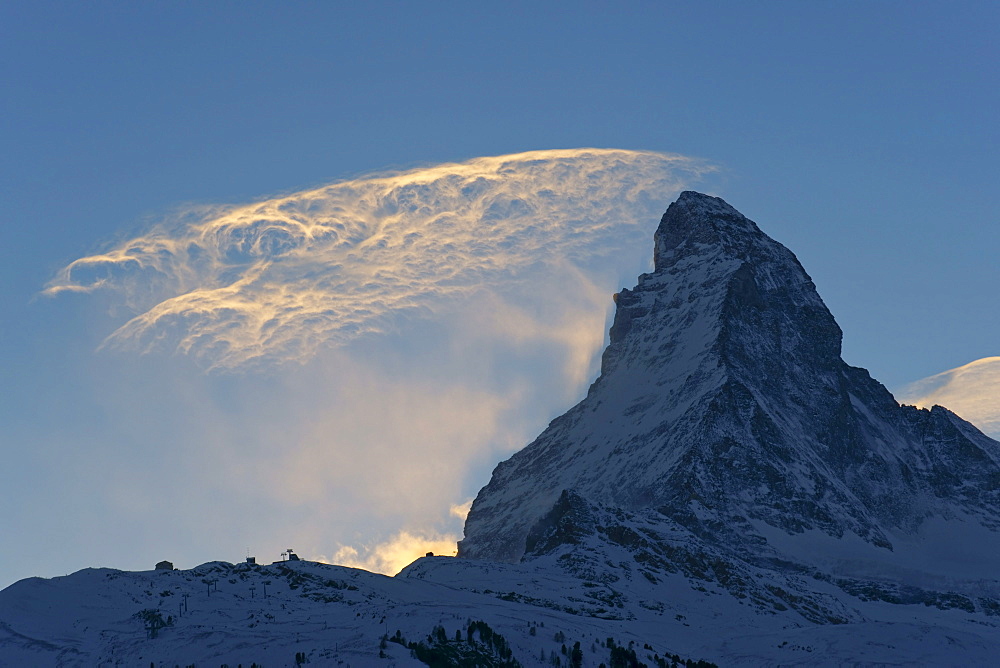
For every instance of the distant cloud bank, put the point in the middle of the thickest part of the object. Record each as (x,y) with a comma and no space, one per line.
(274,280)
(972,391)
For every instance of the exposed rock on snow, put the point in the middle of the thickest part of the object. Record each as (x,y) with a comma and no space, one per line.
(723,404)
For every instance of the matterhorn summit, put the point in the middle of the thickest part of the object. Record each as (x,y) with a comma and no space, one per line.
(729,490)
(724,406)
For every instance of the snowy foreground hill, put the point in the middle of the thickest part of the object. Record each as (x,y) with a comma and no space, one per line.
(729,491)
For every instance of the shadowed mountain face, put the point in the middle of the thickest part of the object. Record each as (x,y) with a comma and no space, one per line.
(723,407)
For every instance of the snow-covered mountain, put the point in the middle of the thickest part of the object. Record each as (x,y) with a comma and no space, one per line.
(729,491)
(724,405)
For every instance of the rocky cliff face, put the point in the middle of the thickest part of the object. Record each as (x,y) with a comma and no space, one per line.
(724,407)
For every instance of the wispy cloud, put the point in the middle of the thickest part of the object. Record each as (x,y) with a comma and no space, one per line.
(972,391)
(446,314)
(461,510)
(275,280)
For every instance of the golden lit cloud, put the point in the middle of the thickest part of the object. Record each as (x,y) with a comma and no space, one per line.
(972,391)
(446,314)
(396,553)
(277,279)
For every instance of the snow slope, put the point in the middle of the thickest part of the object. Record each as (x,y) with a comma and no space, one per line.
(339,616)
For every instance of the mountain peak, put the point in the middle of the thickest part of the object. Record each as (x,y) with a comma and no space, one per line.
(723,404)
(696,220)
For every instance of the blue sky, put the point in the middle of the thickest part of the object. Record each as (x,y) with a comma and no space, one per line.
(861,135)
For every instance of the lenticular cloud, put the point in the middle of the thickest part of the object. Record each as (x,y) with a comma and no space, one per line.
(275,280)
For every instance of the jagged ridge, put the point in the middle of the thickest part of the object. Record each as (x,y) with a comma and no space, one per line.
(723,402)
